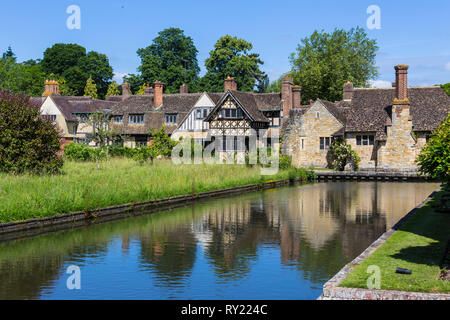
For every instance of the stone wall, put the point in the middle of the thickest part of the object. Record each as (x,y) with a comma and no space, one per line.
(368,154)
(302,137)
(400,150)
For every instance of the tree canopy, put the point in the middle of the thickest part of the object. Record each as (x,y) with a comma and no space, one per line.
(171,58)
(71,62)
(446,87)
(231,57)
(90,90)
(27,77)
(435,157)
(324,61)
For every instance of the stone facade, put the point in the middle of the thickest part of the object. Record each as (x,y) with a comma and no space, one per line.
(302,137)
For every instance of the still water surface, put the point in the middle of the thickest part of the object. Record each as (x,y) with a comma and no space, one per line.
(276,244)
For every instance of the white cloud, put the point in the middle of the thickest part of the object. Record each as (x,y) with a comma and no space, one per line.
(118,76)
(380,84)
(447,66)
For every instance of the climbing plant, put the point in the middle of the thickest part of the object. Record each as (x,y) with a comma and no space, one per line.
(342,154)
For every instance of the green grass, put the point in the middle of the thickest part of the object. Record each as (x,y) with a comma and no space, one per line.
(419,246)
(83,186)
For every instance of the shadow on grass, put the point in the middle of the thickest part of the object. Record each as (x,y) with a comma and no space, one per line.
(434,227)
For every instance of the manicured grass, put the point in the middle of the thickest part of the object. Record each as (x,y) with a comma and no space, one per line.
(83,186)
(419,246)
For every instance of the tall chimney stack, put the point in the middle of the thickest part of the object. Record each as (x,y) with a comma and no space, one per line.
(230,84)
(286,95)
(126,92)
(348,91)
(158,96)
(51,88)
(297,96)
(401,82)
(184,89)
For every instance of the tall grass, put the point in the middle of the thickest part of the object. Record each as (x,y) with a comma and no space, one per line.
(83,186)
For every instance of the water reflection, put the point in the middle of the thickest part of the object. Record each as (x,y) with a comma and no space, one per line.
(277,244)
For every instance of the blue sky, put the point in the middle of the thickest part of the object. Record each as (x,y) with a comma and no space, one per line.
(412,32)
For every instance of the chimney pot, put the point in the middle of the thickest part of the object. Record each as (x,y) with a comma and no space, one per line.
(158,96)
(51,88)
(230,84)
(184,89)
(348,91)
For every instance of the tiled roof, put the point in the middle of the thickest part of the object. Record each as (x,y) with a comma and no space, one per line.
(70,105)
(370,108)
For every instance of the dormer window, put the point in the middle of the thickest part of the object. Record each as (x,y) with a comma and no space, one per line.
(136,119)
(171,118)
(118,119)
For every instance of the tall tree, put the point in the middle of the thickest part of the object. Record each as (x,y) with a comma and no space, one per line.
(90,89)
(231,57)
(71,62)
(113,90)
(96,66)
(171,58)
(325,61)
(9,54)
(134,80)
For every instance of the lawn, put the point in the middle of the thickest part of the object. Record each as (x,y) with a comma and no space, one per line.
(84,186)
(419,246)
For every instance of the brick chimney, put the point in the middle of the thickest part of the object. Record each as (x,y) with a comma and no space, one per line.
(401,82)
(230,84)
(184,88)
(286,95)
(51,88)
(297,96)
(348,91)
(148,91)
(126,92)
(158,97)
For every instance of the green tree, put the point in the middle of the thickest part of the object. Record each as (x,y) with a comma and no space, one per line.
(9,54)
(275,86)
(96,66)
(60,57)
(435,157)
(325,61)
(90,89)
(446,87)
(113,89)
(23,78)
(134,80)
(27,142)
(71,62)
(171,58)
(231,57)
(162,142)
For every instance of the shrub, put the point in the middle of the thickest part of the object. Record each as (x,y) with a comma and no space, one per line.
(145,153)
(27,142)
(435,157)
(162,142)
(342,154)
(285,162)
(81,152)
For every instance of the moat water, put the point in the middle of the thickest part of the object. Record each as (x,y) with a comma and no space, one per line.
(276,244)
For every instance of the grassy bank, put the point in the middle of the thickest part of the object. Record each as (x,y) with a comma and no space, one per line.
(419,246)
(83,186)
